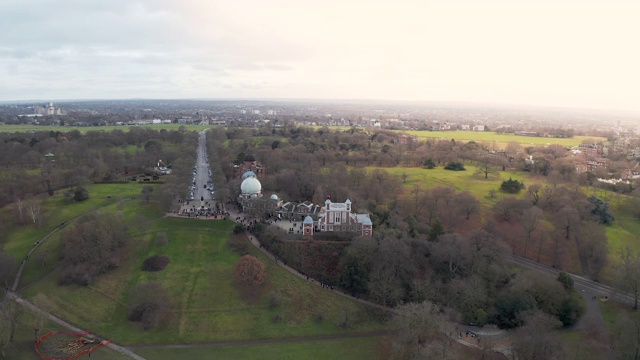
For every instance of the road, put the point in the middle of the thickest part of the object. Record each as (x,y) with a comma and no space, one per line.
(589,287)
(202,176)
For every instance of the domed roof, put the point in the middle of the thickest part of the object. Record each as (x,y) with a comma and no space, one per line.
(250,185)
(247,174)
(308,220)
(249,158)
(274,197)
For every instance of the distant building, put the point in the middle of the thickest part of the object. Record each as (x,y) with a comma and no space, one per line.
(47,110)
(478,127)
(339,218)
(589,150)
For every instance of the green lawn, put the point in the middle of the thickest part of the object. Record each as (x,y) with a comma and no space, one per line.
(477,185)
(501,140)
(83,129)
(206,305)
(348,349)
(20,239)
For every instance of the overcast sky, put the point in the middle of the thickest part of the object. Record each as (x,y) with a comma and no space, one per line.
(582,53)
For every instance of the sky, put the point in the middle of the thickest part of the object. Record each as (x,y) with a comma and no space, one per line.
(570,53)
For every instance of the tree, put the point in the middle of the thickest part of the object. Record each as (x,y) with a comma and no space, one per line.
(467,203)
(250,271)
(8,269)
(147,190)
(529,220)
(355,265)
(601,210)
(535,340)
(629,274)
(455,166)
(485,167)
(626,337)
(419,329)
(593,247)
(80,193)
(34,210)
(511,186)
(10,312)
(39,318)
(148,304)
(534,193)
(566,280)
(436,230)
(93,246)
(428,163)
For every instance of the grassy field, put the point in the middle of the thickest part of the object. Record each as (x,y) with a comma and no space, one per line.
(477,185)
(353,349)
(206,305)
(501,140)
(84,129)
(19,239)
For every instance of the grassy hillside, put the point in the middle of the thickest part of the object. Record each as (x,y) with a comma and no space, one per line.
(206,304)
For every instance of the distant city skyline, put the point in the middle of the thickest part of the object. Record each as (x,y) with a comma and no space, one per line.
(563,53)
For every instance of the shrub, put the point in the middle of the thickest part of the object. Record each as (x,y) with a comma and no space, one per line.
(239,244)
(511,186)
(80,194)
(155,263)
(429,164)
(148,304)
(238,229)
(455,166)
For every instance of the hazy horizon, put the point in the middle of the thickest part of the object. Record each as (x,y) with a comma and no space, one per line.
(568,54)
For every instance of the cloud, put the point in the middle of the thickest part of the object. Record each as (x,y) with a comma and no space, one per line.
(549,52)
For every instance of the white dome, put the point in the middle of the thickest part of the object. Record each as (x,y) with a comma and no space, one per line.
(274,197)
(250,185)
(248,174)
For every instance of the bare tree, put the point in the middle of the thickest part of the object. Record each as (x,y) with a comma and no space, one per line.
(34,210)
(250,271)
(535,340)
(420,327)
(39,318)
(629,274)
(486,167)
(9,314)
(626,337)
(467,203)
(20,210)
(534,193)
(8,268)
(529,220)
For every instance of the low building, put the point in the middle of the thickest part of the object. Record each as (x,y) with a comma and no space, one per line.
(337,217)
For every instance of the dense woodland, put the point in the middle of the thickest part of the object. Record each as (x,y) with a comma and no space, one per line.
(436,245)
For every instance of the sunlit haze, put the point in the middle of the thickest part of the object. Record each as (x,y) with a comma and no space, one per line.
(557,53)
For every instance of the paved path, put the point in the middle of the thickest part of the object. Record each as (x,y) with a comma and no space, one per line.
(13,296)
